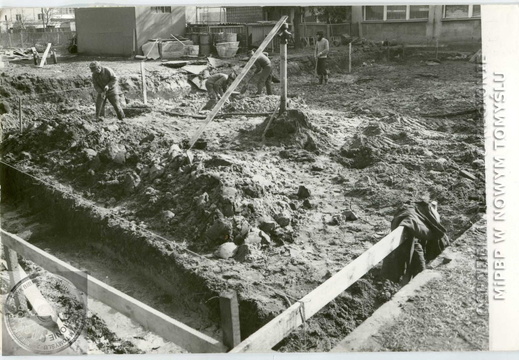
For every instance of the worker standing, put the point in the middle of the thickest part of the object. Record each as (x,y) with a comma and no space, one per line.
(322,48)
(264,71)
(107,88)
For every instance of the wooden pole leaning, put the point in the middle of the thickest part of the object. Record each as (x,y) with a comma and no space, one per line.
(237,81)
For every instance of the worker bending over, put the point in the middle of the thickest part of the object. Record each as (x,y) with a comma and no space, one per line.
(264,71)
(217,84)
(322,48)
(107,88)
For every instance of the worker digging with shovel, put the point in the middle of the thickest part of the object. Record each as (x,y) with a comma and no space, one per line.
(107,88)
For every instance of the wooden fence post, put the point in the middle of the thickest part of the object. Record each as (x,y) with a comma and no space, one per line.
(230,319)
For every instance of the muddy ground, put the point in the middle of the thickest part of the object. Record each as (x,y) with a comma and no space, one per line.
(388,133)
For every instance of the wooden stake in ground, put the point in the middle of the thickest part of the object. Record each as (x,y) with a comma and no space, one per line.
(44,57)
(436,48)
(230,319)
(349,57)
(143,81)
(283,67)
(236,82)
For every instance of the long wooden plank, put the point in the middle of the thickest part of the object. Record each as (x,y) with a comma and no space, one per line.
(237,81)
(151,319)
(44,57)
(279,327)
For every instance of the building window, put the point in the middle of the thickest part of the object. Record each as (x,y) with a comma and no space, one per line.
(5,17)
(374,13)
(18,17)
(40,16)
(396,12)
(418,12)
(461,11)
(161,9)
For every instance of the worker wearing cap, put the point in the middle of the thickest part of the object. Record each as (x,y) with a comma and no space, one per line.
(264,69)
(322,48)
(217,84)
(106,85)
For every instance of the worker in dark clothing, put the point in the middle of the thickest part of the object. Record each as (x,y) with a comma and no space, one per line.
(107,88)
(264,73)
(216,85)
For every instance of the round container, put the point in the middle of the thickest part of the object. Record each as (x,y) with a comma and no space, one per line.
(195,37)
(227,49)
(205,39)
(205,49)
(230,37)
(219,38)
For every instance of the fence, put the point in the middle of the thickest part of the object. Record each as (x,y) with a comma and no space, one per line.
(29,39)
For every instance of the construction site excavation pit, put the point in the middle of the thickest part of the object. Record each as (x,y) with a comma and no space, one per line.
(292,204)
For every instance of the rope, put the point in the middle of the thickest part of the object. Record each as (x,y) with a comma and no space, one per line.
(63,190)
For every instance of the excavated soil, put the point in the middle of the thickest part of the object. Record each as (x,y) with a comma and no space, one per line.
(389,133)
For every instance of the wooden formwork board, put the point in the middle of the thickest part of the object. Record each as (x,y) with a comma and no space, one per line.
(151,319)
(282,325)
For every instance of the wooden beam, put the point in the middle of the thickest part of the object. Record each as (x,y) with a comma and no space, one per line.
(44,57)
(283,73)
(151,319)
(237,81)
(230,318)
(278,328)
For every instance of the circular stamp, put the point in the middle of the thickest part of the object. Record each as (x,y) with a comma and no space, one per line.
(45,313)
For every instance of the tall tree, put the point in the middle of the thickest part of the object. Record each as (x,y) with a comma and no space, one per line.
(47,15)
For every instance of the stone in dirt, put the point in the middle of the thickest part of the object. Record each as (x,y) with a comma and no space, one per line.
(283,219)
(303,192)
(173,151)
(155,171)
(167,216)
(116,153)
(241,228)
(219,231)
(266,224)
(350,215)
(307,204)
(253,237)
(131,182)
(265,239)
(226,250)
(89,154)
(241,253)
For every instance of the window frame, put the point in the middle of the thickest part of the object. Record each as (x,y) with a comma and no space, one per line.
(470,13)
(18,17)
(385,19)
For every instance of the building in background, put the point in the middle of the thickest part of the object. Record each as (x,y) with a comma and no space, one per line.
(121,31)
(37,19)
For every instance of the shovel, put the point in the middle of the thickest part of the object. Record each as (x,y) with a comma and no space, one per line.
(246,86)
(100,110)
